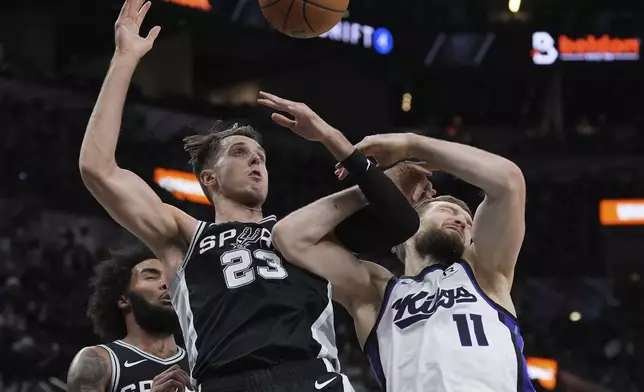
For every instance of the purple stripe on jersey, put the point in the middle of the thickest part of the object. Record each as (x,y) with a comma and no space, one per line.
(371,347)
(523,382)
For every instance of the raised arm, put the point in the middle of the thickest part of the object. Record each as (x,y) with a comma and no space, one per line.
(310,245)
(499,223)
(125,196)
(90,371)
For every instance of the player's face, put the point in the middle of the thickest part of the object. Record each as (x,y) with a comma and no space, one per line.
(149,298)
(148,281)
(445,231)
(240,171)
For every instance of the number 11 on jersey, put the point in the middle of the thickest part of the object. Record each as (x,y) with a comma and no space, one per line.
(464,329)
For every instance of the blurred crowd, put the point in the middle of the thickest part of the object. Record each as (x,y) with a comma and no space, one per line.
(52,234)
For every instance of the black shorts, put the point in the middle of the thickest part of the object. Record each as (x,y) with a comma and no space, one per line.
(309,376)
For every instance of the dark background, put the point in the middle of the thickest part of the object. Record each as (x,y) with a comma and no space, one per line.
(574,128)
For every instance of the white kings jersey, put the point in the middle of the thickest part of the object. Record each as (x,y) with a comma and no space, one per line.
(438,332)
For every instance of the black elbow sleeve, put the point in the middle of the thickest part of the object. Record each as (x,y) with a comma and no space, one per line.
(387,221)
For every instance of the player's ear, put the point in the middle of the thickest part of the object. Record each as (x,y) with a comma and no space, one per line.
(123,303)
(208,178)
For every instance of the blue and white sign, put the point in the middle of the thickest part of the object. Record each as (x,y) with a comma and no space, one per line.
(383,41)
(380,39)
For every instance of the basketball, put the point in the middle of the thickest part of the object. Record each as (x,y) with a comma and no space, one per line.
(303,18)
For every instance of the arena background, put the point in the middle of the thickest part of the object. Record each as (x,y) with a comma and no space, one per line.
(570,114)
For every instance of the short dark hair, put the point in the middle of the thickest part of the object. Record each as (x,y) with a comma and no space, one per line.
(399,250)
(110,281)
(204,149)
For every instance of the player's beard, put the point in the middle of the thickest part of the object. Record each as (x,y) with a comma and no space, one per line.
(444,246)
(155,319)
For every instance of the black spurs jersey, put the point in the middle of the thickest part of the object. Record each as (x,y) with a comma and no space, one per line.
(242,307)
(134,369)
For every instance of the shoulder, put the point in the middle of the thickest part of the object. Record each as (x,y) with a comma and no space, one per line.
(90,370)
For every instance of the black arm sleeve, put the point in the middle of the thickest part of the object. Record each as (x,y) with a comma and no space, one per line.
(387,221)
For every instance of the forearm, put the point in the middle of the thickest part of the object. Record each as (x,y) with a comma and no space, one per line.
(312,223)
(492,173)
(101,136)
(337,143)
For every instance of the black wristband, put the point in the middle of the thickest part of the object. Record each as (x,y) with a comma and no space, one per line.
(356,163)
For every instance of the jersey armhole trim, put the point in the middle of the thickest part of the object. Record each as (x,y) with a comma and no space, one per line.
(201,225)
(470,273)
(385,302)
(116,368)
(371,347)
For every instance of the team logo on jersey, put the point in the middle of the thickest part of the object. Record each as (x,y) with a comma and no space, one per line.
(248,236)
(421,306)
(451,270)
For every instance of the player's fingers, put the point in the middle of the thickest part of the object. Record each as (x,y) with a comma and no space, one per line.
(428,192)
(284,104)
(153,34)
(269,103)
(169,386)
(125,8)
(133,8)
(165,375)
(142,12)
(419,169)
(343,174)
(283,120)
(419,191)
(182,377)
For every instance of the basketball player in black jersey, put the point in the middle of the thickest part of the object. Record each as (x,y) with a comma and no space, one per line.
(130,307)
(250,321)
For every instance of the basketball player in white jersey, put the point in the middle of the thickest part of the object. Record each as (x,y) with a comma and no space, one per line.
(130,308)
(449,325)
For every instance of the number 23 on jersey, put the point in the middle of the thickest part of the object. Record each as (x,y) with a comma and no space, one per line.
(239,271)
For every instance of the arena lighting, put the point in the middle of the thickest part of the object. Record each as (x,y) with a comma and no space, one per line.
(203,5)
(406,102)
(546,51)
(380,39)
(182,185)
(615,212)
(514,5)
(543,370)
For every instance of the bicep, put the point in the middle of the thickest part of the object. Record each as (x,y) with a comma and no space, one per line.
(89,372)
(134,205)
(349,277)
(498,232)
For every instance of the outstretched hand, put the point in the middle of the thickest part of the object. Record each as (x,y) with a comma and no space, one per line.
(304,122)
(126,30)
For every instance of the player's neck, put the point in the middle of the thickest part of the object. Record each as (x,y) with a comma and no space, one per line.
(415,264)
(231,211)
(162,346)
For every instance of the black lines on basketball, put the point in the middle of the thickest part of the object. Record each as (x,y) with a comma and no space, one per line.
(303,18)
(290,7)
(306,20)
(321,6)
(270,4)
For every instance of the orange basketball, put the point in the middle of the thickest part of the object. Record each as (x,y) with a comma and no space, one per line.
(303,18)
